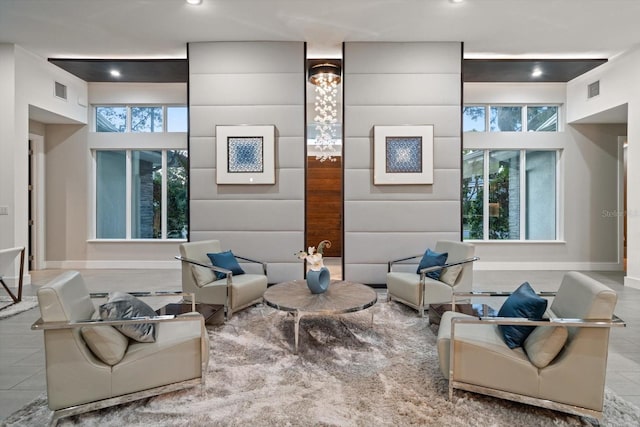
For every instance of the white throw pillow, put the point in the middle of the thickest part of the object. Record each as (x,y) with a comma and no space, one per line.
(544,344)
(106,343)
(449,275)
(202,275)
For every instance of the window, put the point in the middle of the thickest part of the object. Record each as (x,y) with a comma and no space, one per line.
(505,119)
(111,194)
(520,202)
(542,119)
(140,118)
(111,119)
(177,119)
(510,118)
(473,119)
(141,194)
(146,119)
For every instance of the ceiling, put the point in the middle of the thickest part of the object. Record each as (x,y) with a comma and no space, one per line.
(151,29)
(88,37)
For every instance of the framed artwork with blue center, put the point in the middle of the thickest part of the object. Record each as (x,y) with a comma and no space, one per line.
(245,154)
(403,155)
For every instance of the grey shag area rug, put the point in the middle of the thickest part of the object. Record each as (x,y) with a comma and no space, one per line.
(8,309)
(347,373)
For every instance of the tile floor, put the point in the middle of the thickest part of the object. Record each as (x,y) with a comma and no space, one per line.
(22,376)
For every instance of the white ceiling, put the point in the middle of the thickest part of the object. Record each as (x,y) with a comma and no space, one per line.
(161,28)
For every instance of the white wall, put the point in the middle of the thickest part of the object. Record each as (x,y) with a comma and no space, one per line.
(259,83)
(619,85)
(399,84)
(27,82)
(590,166)
(7,144)
(70,215)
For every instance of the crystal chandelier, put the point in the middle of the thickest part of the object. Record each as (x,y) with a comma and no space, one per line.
(326,78)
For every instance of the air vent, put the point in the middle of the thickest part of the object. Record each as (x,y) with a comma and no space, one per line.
(593,89)
(61,90)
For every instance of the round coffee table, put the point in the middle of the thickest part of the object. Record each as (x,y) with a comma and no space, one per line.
(341,297)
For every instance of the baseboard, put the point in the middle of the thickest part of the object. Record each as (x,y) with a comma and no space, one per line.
(561,266)
(632,282)
(111,264)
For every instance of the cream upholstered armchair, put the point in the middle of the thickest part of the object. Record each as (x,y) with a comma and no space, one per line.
(234,291)
(418,290)
(560,365)
(92,365)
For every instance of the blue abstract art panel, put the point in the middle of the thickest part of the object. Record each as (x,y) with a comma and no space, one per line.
(245,154)
(403,154)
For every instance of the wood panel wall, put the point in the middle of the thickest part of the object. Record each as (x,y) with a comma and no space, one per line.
(324,204)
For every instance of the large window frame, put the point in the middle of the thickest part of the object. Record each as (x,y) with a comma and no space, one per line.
(486,208)
(129,179)
(158,148)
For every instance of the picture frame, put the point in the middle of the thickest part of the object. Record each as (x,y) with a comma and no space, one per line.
(403,154)
(245,154)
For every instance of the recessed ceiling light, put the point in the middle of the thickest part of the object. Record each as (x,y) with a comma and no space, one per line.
(537,72)
(456,1)
(194,2)
(114,73)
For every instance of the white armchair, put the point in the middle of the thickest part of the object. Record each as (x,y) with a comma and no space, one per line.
(90,365)
(417,290)
(561,365)
(235,292)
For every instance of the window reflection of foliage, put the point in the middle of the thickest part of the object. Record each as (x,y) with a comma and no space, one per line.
(506,119)
(499,193)
(146,119)
(473,194)
(111,119)
(543,118)
(473,114)
(177,161)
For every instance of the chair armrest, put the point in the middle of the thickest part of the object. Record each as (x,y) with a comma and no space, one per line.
(395,261)
(499,294)
(144,294)
(226,272)
(554,321)
(42,325)
(264,264)
(426,270)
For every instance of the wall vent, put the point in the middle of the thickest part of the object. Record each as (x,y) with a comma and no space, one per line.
(60,90)
(593,89)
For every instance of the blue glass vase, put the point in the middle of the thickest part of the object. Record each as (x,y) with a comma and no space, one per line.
(318,281)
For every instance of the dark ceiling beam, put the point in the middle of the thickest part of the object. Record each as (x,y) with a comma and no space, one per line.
(473,70)
(131,70)
(519,70)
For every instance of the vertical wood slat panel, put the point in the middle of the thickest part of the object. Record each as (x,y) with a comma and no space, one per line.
(324,204)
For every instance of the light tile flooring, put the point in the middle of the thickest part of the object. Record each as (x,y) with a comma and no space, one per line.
(22,376)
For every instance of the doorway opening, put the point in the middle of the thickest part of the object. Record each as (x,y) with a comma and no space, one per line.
(324,165)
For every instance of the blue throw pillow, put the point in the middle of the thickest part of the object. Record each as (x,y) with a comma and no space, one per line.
(431,259)
(522,303)
(225,260)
